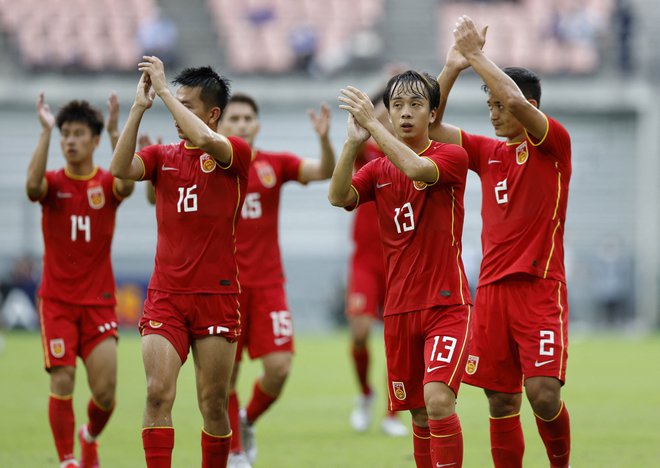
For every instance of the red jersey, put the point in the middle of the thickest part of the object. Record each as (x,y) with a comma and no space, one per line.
(421,226)
(524,189)
(78,222)
(365,223)
(258,245)
(197,206)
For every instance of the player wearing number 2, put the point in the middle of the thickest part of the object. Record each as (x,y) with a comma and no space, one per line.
(193,294)
(77,293)
(521,314)
(418,190)
(267,324)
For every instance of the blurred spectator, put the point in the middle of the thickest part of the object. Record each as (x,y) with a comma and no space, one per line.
(158,35)
(304,42)
(612,281)
(19,290)
(623,24)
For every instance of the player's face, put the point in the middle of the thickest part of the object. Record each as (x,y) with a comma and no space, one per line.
(239,119)
(78,142)
(504,123)
(190,98)
(410,113)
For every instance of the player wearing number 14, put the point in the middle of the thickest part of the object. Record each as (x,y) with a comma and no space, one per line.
(77,294)
(418,191)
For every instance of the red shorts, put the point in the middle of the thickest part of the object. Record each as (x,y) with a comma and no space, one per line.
(70,330)
(366,288)
(520,330)
(429,345)
(182,318)
(267,322)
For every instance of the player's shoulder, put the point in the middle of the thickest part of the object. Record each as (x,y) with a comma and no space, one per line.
(275,155)
(440,149)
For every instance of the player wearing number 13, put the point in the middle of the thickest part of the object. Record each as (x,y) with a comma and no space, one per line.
(521,314)
(418,190)
(193,294)
(77,294)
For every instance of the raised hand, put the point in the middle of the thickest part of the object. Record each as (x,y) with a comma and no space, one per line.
(144,140)
(144,97)
(113,113)
(359,105)
(467,39)
(154,67)
(46,118)
(320,121)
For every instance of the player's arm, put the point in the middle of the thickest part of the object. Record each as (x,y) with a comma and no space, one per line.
(340,192)
(36,184)
(467,39)
(455,63)
(123,188)
(144,140)
(124,164)
(405,159)
(320,169)
(197,132)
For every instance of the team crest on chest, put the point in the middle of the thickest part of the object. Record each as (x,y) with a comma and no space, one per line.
(420,185)
(207,163)
(522,153)
(472,364)
(399,390)
(266,174)
(57,347)
(95,196)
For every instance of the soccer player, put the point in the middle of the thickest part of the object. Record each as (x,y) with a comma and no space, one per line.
(521,321)
(418,191)
(77,294)
(192,300)
(267,323)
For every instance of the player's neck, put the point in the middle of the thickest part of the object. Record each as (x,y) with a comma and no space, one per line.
(80,169)
(514,140)
(417,144)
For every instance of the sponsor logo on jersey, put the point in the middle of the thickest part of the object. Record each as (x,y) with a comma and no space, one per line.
(207,163)
(522,153)
(266,174)
(57,347)
(420,185)
(472,364)
(399,390)
(154,324)
(96,197)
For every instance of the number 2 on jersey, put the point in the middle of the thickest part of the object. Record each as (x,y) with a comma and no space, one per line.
(82,224)
(408,218)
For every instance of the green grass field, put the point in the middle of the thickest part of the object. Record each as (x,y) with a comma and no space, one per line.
(613,395)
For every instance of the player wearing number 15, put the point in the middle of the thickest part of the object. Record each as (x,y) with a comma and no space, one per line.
(77,294)
(192,300)
(521,315)
(418,190)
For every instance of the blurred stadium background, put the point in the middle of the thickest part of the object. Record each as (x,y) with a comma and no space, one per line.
(598,59)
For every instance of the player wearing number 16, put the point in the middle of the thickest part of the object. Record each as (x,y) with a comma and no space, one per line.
(418,190)
(192,300)
(77,294)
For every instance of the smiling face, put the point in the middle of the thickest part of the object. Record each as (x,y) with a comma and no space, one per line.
(77,142)
(410,111)
(241,120)
(191,99)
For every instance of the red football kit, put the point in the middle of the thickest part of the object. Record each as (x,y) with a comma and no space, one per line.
(521,299)
(428,298)
(78,287)
(197,206)
(366,276)
(266,320)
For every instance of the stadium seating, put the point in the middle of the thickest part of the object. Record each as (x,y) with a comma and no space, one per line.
(75,34)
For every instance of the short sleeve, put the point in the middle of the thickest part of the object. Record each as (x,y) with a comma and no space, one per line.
(51,188)
(556,142)
(291,166)
(149,156)
(241,155)
(452,163)
(363,184)
(476,147)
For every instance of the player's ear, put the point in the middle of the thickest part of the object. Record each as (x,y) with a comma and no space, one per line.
(534,102)
(214,115)
(433,115)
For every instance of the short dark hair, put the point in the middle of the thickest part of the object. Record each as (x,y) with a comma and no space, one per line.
(415,82)
(244,99)
(83,112)
(528,82)
(215,88)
